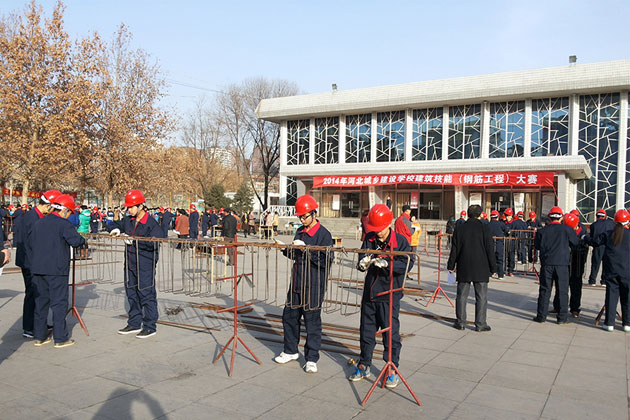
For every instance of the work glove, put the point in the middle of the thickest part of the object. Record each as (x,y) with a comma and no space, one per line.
(299,242)
(366,262)
(127,241)
(115,232)
(381,263)
(279,242)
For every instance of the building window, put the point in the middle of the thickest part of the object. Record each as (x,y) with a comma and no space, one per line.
(427,134)
(291,191)
(390,136)
(327,140)
(598,143)
(358,138)
(550,127)
(507,129)
(297,142)
(464,135)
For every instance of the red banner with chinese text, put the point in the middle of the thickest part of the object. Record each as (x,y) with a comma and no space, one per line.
(482,179)
(31,194)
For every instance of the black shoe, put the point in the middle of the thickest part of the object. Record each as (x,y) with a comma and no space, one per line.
(575,314)
(458,326)
(538,319)
(145,334)
(483,329)
(129,330)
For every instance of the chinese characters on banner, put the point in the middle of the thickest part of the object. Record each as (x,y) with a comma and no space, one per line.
(31,194)
(484,179)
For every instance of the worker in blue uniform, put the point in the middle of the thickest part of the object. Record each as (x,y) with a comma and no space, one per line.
(214,221)
(95,218)
(554,242)
(519,226)
(375,308)
(533,224)
(193,220)
(141,257)
(48,250)
(309,276)
(167,216)
(601,225)
(499,231)
(510,246)
(205,223)
(461,220)
(22,260)
(616,270)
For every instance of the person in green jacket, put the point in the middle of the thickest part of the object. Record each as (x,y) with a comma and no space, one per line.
(84,227)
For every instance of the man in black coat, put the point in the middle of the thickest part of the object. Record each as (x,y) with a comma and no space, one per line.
(472,254)
(602,225)
(229,233)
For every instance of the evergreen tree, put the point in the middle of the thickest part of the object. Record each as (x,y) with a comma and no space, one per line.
(243,199)
(216,197)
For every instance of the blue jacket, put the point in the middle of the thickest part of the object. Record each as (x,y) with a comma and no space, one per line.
(145,255)
(377,279)
(305,279)
(498,229)
(25,223)
(194,224)
(48,245)
(554,242)
(600,226)
(214,219)
(616,261)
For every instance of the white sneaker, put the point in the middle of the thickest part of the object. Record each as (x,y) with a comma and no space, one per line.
(626,328)
(283,358)
(609,328)
(310,367)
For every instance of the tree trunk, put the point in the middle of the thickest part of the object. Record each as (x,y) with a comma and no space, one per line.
(25,188)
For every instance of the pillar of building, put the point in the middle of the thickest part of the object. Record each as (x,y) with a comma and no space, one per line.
(623,145)
(461,199)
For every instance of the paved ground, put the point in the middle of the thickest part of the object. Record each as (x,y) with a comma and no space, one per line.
(520,370)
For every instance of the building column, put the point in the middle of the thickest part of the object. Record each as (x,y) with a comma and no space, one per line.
(282,188)
(445,124)
(282,200)
(485,130)
(408,134)
(373,139)
(461,199)
(311,142)
(527,135)
(574,124)
(342,139)
(566,193)
(621,154)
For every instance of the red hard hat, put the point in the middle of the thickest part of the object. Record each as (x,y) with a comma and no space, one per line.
(134,198)
(50,195)
(484,215)
(494,214)
(622,216)
(571,220)
(601,213)
(66,201)
(532,214)
(193,206)
(305,204)
(575,212)
(11,207)
(508,212)
(379,218)
(555,212)
(161,208)
(520,214)
(24,205)
(463,213)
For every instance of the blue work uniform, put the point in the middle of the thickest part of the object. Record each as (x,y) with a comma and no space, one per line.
(576,272)
(48,253)
(459,222)
(598,227)
(214,221)
(532,255)
(510,248)
(166,222)
(305,296)
(205,219)
(375,308)
(141,258)
(22,260)
(521,239)
(94,219)
(554,242)
(194,225)
(499,231)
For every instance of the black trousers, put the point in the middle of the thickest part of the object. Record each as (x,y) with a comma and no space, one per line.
(51,292)
(375,316)
(510,249)
(481,302)
(498,253)
(617,288)
(596,262)
(550,275)
(28,309)
(291,323)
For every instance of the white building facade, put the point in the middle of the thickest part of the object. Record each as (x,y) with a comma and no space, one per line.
(526,140)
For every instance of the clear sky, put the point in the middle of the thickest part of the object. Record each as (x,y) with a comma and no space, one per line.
(211,44)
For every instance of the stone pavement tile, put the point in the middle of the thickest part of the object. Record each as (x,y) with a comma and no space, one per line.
(140,373)
(508,399)
(439,386)
(292,378)
(200,411)
(8,393)
(442,331)
(547,335)
(474,363)
(85,393)
(247,399)
(33,406)
(588,381)
(81,415)
(614,344)
(399,404)
(558,407)
(192,386)
(454,373)
(579,393)
(38,376)
(139,404)
(468,411)
(585,352)
(533,358)
(301,406)
(539,346)
(192,358)
(487,339)
(471,349)
(430,343)
(418,355)
(340,390)
(520,376)
(594,365)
